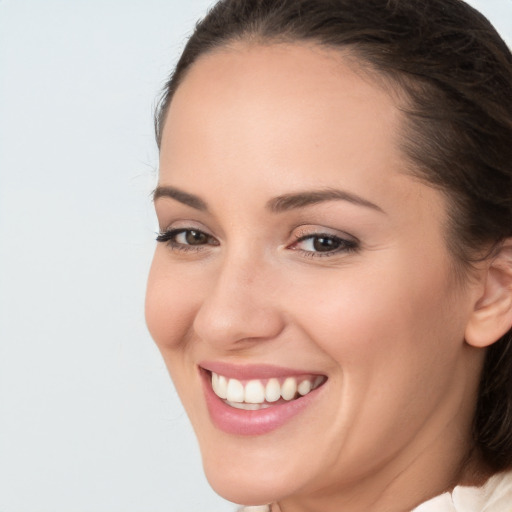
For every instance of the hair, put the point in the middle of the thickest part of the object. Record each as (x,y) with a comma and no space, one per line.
(456,75)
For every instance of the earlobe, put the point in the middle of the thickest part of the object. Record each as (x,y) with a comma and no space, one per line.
(492,314)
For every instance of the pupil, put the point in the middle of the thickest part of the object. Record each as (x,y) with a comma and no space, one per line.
(195,238)
(324,244)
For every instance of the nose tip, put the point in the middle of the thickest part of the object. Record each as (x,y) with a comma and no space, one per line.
(238,308)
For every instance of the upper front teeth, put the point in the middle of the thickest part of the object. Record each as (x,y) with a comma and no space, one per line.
(254,392)
(257,392)
(272,390)
(289,388)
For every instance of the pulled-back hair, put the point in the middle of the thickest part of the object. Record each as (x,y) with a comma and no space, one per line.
(456,75)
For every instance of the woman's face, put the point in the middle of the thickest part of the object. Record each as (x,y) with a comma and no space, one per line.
(297,251)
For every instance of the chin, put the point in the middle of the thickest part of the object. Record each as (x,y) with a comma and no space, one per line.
(249,480)
(251,490)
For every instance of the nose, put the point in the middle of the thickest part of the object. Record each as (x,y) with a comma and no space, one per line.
(240,306)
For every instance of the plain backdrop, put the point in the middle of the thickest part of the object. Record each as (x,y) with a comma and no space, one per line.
(89,419)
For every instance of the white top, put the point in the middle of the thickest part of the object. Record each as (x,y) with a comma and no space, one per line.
(494,496)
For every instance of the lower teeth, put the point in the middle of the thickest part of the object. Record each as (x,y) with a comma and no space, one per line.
(247,407)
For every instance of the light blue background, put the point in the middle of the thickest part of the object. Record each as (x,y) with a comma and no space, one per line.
(89,420)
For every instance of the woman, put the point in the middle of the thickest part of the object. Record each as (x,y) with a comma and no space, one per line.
(332,290)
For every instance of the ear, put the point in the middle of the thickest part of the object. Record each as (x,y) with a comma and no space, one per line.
(492,314)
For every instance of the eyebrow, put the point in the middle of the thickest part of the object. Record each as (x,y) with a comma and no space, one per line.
(301,199)
(183,197)
(277,204)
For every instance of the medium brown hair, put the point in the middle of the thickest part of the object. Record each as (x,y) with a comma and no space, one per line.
(456,73)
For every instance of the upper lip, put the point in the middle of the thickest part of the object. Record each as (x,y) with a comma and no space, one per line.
(252,371)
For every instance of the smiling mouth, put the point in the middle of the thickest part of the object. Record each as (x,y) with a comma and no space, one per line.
(256,394)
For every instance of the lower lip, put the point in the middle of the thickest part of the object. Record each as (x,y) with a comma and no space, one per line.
(251,423)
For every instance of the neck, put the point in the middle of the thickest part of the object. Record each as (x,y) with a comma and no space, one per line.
(375,497)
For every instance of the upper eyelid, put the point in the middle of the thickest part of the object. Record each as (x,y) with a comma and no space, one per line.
(347,239)
(346,246)
(184,225)
(311,234)
(179,230)
(312,231)
(167,237)
(298,234)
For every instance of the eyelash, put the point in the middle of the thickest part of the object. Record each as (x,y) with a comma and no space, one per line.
(169,237)
(341,245)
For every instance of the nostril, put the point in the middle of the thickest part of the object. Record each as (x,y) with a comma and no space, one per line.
(225,322)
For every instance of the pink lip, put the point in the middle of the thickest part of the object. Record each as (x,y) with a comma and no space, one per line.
(248,372)
(251,423)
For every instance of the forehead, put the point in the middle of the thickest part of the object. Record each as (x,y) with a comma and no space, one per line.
(249,91)
(300,112)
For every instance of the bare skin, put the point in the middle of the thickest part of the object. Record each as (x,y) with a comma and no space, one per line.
(380,313)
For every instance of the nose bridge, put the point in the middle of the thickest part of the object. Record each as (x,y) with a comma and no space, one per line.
(240,304)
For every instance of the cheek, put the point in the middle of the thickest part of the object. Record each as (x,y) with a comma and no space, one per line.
(392,334)
(170,305)
(396,344)
(395,304)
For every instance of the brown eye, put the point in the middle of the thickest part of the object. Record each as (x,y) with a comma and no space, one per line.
(323,244)
(186,238)
(193,237)
(326,244)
